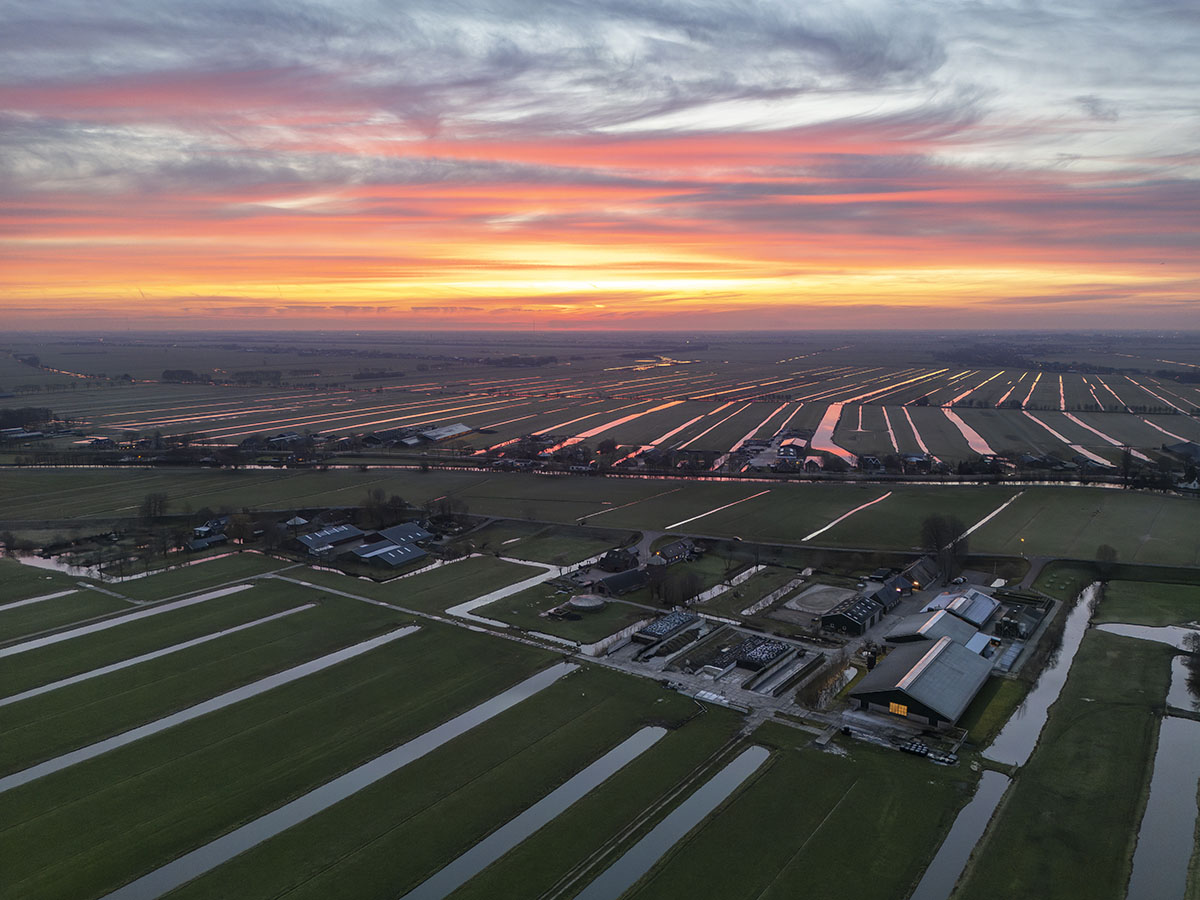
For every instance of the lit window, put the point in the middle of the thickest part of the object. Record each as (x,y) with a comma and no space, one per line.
(899,709)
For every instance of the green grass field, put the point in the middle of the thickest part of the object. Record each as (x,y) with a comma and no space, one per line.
(991,708)
(23,621)
(21,582)
(199,576)
(433,591)
(1142,603)
(1085,784)
(523,609)
(76,715)
(183,787)
(813,824)
(1073,522)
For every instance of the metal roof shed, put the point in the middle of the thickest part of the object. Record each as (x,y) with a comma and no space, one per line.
(930,627)
(935,684)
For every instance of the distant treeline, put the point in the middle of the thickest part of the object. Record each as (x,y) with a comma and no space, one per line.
(370,375)
(25,416)
(515,361)
(183,376)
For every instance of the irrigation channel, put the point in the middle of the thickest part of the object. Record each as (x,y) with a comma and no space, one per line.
(641,857)
(194,864)
(1013,746)
(236,695)
(451,877)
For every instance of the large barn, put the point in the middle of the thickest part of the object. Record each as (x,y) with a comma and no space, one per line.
(933,685)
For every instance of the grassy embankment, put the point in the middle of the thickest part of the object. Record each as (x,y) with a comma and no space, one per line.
(89,828)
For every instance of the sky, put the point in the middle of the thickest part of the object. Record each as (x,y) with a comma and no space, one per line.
(599,164)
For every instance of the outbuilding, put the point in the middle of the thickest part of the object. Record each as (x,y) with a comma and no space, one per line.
(930,626)
(852,616)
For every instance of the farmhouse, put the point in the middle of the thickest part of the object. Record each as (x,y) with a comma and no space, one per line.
(678,551)
(852,616)
(933,685)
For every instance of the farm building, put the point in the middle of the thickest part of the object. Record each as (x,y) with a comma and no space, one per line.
(852,616)
(323,541)
(408,533)
(934,684)
(618,561)
(392,555)
(622,582)
(923,572)
(930,626)
(970,605)
(678,551)
(893,590)
(446,432)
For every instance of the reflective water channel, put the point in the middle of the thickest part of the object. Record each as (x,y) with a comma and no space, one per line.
(211,855)
(1166,634)
(1166,837)
(1013,745)
(640,858)
(499,842)
(1017,739)
(968,828)
(244,692)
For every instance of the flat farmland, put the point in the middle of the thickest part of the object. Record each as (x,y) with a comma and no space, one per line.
(22,582)
(1073,522)
(895,523)
(1010,431)
(801,825)
(30,618)
(385,840)
(431,592)
(871,439)
(90,710)
(180,788)
(940,435)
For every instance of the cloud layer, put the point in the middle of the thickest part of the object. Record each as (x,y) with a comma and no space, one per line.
(751,163)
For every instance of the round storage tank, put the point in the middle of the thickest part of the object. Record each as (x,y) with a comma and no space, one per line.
(587,602)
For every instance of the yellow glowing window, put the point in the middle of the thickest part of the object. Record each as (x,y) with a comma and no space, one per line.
(898,708)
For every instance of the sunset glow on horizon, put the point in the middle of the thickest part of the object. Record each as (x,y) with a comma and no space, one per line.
(658,165)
